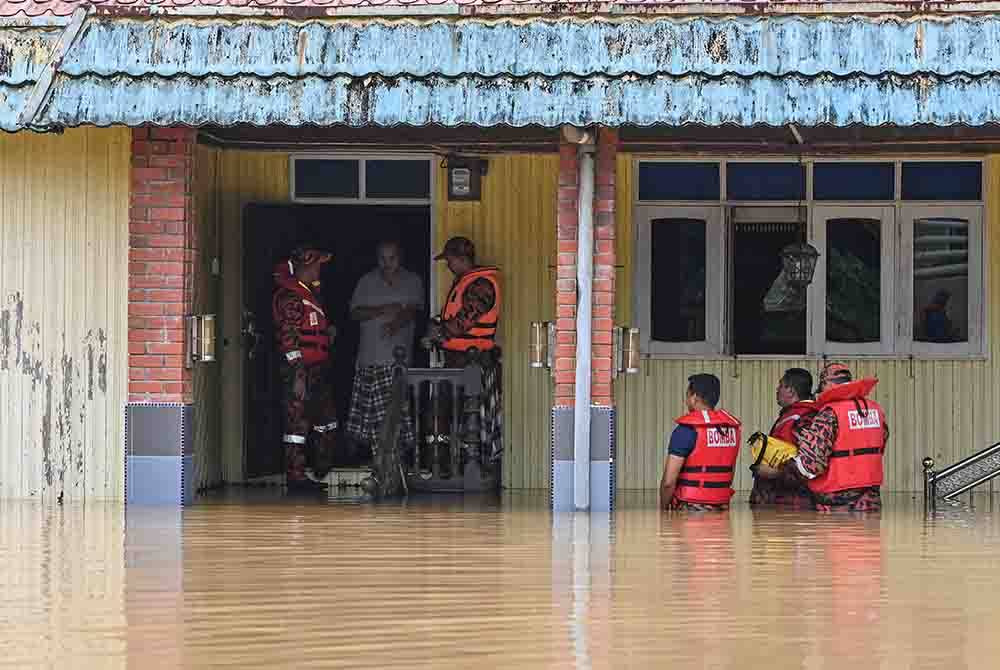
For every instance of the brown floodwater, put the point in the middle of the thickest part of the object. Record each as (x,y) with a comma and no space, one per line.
(246,580)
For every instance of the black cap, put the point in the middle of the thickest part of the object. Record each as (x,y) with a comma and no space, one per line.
(461,247)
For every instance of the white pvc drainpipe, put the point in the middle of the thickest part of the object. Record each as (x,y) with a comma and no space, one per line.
(584,293)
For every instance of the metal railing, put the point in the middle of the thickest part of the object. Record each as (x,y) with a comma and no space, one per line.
(449,455)
(963,476)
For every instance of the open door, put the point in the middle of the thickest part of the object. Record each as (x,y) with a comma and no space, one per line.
(351,232)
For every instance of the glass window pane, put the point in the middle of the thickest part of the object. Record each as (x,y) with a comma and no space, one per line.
(765,181)
(769,314)
(940,280)
(942,181)
(854,181)
(323,178)
(853,280)
(409,180)
(678,181)
(677,290)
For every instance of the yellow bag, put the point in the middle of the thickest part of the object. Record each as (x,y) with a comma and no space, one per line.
(769,454)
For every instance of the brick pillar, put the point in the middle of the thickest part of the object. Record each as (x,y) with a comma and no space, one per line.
(602,389)
(565,353)
(162,249)
(162,254)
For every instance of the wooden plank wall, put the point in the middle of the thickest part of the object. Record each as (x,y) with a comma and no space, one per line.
(514,227)
(63,318)
(207,287)
(944,409)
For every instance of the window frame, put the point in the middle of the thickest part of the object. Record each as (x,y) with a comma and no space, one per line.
(817,294)
(975,214)
(714,282)
(362,159)
(896,342)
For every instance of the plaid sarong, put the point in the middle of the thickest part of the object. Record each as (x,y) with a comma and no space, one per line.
(369,405)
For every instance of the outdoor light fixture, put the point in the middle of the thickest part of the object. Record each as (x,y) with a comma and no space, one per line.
(799,263)
(540,347)
(626,350)
(465,177)
(201,338)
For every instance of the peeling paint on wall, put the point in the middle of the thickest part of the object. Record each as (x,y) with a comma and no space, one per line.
(67,383)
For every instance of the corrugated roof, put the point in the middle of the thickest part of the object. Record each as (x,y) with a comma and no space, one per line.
(516,101)
(24,52)
(746,46)
(514,72)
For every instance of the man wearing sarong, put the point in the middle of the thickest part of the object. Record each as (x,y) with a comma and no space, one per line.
(385,302)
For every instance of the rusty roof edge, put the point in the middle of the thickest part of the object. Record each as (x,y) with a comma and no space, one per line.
(903,8)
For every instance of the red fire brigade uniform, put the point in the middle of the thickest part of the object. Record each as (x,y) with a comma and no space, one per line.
(707,475)
(303,343)
(856,459)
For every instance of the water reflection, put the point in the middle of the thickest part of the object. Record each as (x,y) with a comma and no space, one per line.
(248,581)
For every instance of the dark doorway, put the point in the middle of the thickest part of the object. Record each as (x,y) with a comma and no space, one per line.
(351,232)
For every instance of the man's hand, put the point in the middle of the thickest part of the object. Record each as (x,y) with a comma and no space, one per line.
(666,496)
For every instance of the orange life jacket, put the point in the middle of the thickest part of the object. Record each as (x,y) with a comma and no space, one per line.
(790,418)
(482,334)
(856,461)
(314,340)
(707,475)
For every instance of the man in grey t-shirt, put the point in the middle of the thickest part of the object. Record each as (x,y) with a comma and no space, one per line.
(385,301)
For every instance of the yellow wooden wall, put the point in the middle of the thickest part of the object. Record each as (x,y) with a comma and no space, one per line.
(207,377)
(241,177)
(63,315)
(517,209)
(945,409)
(514,228)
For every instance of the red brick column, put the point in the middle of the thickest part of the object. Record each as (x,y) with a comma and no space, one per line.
(162,252)
(602,325)
(604,272)
(565,353)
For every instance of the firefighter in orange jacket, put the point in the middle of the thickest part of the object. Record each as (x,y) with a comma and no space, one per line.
(840,452)
(303,336)
(466,330)
(701,457)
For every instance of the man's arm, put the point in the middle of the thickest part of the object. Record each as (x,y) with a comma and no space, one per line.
(682,442)
(815,443)
(668,482)
(290,313)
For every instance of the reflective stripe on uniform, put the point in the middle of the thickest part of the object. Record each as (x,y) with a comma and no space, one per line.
(326,427)
(294,439)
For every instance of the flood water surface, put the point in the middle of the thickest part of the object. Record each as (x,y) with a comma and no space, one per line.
(247,582)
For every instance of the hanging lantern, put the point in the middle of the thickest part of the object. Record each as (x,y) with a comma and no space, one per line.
(799,263)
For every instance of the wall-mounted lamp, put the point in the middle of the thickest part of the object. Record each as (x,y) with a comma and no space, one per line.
(540,347)
(465,177)
(201,339)
(626,350)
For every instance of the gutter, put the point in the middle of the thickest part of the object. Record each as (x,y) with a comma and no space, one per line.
(584,293)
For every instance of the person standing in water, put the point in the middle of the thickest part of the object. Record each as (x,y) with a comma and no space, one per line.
(701,457)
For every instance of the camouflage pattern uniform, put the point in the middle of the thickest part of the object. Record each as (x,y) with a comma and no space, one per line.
(815,446)
(309,412)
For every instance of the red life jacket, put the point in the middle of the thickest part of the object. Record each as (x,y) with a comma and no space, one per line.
(790,418)
(482,334)
(707,475)
(314,340)
(856,460)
